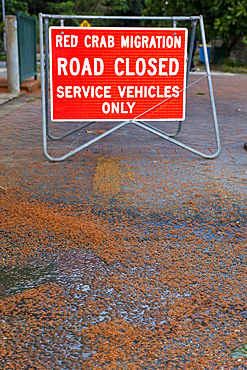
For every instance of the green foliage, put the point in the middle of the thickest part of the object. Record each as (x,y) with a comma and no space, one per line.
(110,7)
(87,7)
(239,352)
(231,18)
(1,27)
(64,7)
(12,6)
(233,63)
(226,19)
(78,7)
(183,8)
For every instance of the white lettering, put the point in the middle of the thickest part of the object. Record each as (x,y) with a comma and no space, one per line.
(139,67)
(162,66)
(61,65)
(102,42)
(177,41)
(95,40)
(60,92)
(139,91)
(145,41)
(130,92)
(97,92)
(121,91)
(137,42)
(71,66)
(158,93)
(149,92)
(85,92)
(68,90)
(59,39)
(98,61)
(114,108)
(157,41)
(107,92)
(173,72)
(117,61)
(125,42)
(131,106)
(138,62)
(66,41)
(74,41)
(111,42)
(86,68)
(151,64)
(152,42)
(85,41)
(169,42)
(106,108)
(175,90)
(122,108)
(128,73)
(77,91)
(167,91)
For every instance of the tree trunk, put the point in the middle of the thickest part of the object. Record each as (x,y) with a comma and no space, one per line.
(232,43)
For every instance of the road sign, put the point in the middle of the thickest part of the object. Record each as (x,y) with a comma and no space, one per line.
(85,24)
(117,74)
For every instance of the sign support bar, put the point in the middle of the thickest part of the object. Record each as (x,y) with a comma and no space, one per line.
(169,137)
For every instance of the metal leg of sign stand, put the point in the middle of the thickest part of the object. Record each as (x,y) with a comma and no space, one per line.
(47,92)
(72,152)
(168,137)
(191,47)
(162,132)
(137,122)
(184,146)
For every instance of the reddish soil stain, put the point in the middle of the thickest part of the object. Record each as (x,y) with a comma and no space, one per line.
(147,243)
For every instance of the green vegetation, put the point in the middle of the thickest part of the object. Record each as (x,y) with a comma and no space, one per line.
(92,7)
(87,7)
(224,19)
(239,352)
(34,99)
(233,63)
(233,66)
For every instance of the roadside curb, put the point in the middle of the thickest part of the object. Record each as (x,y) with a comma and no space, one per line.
(7,97)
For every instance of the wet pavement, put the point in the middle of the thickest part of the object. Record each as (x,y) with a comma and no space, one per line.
(132,253)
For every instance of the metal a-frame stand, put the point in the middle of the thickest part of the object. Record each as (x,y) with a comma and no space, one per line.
(44,58)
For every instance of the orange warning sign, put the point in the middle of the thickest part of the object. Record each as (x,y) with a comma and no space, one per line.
(85,24)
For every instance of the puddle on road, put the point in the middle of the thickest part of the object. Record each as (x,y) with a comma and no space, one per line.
(69,268)
(163,283)
(17,279)
(93,296)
